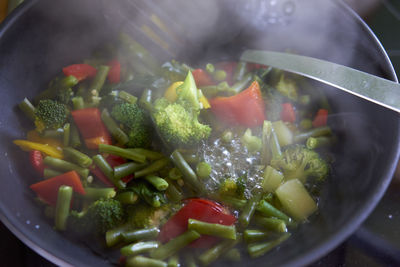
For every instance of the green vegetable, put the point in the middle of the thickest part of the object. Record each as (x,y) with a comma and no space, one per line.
(203,170)
(27,107)
(140,234)
(62,207)
(189,176)
(49,173)
(127,197)
(99,193)
(266,209)
(287,87)
(103,165)
(259,249)
(113,128)
(298,162)
(159,183)
(213,229)
(272,179)
(215,252)
(314,132)
(140,261)
(135,120)
(99,80)
(316,142)
(283,133)
(124,153)
(126,169)
(138,248)
(101,216)
(248,210)
(240,71)
(152,197)
(153,167)
(271,224)
(66,134)
(142,215)
(251,236)
(77,157)
(178,122)
(251,142)
(50,114)
(62,165)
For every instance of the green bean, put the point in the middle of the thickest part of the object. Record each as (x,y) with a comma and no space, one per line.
(215,252)
(138,248)
(213,90)
(77,157)
(233,202)
(154,167)
(173,261)
(241,85)
(219,75)
(75,140)
(174,174)
(66,134)
(251,236)
(145,100)
(306,124)
(305,100)
(114,236)
(149,154)
(114,129)
(77,102)
(27,107)
(50,133)
(274,143)
(159,183)
(210,68)
(213,229)
(62,165)
(99,80)
(189,176)
(240,71)
(259,249)
(316,142)
(126,169)
(103,165)
(140,234)
(233,255)
(153,198)
(315,132)
(248,211)
(57,85)
(174,194)
(266,140)
(191,158)
(273,224)
(127,197)
(98,193)
(203,170)
(127,97)
(266,209)
(62,207)
(140,261)
(49,173)
(174,245)
(124,153)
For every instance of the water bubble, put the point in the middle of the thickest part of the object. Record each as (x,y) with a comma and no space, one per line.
(28,222)
(37,226)
(390,216)
(273,2)
(289,7)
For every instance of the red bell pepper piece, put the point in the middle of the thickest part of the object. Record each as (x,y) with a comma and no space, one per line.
(80,71)
(47,190)
(321,118)
(246,108)
(199,209)
(36,159)
(114,74)
(91,127)
(255,66)
(288,114)
(202,78)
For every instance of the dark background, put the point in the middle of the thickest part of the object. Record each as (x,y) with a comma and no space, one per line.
(377,242)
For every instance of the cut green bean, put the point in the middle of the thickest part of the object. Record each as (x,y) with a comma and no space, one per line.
(173,261)
(210,68)
(251,236)
(77,157)
(153,167)
(174,193)
(266,140)
(50,133)
(127,97)
(49,173)
(99,80)
(124,153)
(126,169)
(149,154)
(140,234)
(248,211)
(114,236)
(66,134)
(62,165)
(233,202)
(215,252)
(93,193)
(213,229)
(127,197)
(77,102)
(272,224)
(241,85)
(305,124)
(240,71)
(140,261)
(219,75)
(75,140)
(159,183)
(103,165)
(174,174)
(28,109)
(203,170)
(189,176)
(64,198)
(174,245)
(233,255)
(116,132)
(138,248)
(145,100)
(316,142)
(315,132)
(266,209)
(259,249)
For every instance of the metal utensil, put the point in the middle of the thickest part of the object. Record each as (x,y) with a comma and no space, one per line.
(370,87)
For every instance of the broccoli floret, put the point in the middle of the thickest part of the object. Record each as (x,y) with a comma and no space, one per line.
(101,216)
(298,162)
(287,87)
(178,122)
(50,114)
(233,187)
(137,123)
(64,95)
(141,215)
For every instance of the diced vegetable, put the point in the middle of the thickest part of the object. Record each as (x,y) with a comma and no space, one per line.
(80,71)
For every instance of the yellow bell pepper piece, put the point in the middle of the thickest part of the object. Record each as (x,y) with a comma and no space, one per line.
(34,136)
(44,148)
(203,100)
(3,9)
(170,93)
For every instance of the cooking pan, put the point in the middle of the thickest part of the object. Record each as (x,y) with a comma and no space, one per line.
(42,36)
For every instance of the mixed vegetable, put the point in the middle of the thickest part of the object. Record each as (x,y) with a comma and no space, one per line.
(177,165)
